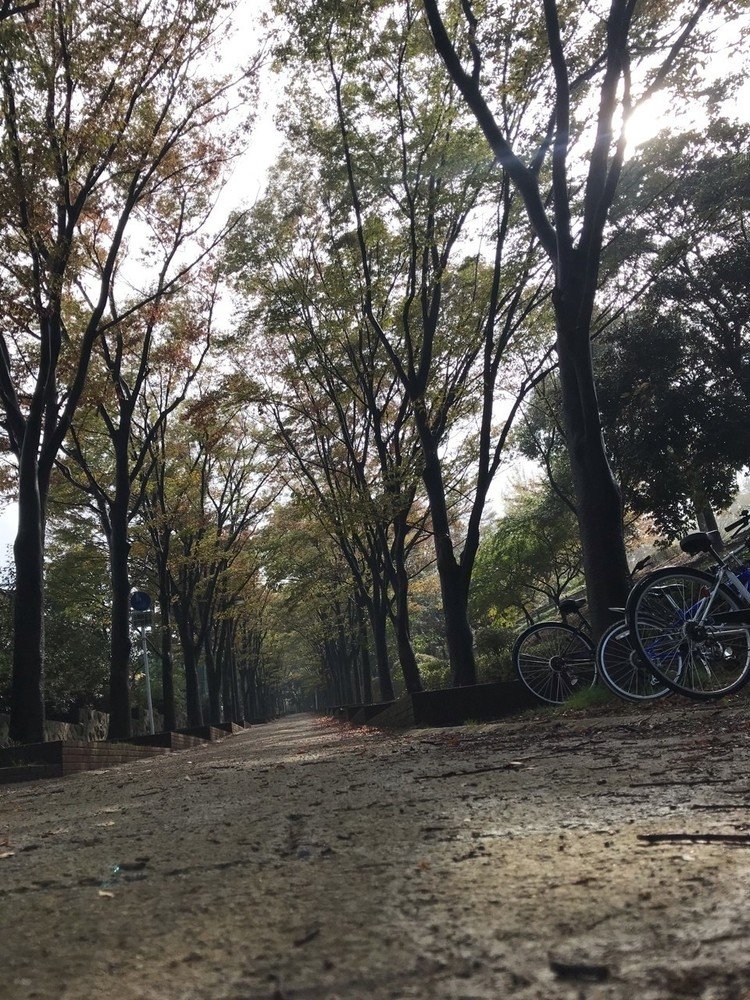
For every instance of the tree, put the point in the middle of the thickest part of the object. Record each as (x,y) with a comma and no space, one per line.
(226,489)
(9,9)
(335,403)
(528,559)
(314,612)
(677,434)
(113,453)
(446,311)
(671,368)
(105,115)
(683,217)
(585,76)
(76,618)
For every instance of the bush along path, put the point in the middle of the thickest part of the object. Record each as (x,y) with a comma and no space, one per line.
(547,858)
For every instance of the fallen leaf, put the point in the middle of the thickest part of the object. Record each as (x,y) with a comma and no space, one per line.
(310,936)
(133,866)
(591,971)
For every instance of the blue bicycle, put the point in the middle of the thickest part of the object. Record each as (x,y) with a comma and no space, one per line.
(691,627)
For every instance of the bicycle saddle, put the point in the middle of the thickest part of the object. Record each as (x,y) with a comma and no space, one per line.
(570,606)
(698,541)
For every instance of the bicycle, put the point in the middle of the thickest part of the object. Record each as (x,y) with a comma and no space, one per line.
(623,671)
(692,627)
(555,659)
(618,664)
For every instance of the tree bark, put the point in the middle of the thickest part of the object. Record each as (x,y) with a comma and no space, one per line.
(364,652)
(213,678)
(454,589)
(706,519)
(400,615)
(226,686)
(27,691)
(192,688)
(238,710)
(119,664)
(406,657)
(598,498)
(378,621)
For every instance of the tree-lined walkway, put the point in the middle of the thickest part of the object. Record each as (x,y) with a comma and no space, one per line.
(302,860)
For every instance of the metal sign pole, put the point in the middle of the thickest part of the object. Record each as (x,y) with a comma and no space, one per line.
(140,602)
(148,681)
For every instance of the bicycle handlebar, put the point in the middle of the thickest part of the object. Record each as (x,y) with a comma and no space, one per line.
(741,521)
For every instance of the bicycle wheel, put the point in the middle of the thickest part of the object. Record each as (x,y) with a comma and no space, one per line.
(554,661)
(623,671)
(676,628)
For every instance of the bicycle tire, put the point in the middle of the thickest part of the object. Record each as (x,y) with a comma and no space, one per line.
(539,645)
(622,670)
(659,612)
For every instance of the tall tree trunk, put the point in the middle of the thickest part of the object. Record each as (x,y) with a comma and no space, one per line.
(27,690)
(119,659)
(598,498)
(224,667)
(347,661)
(245,693)
(238,711)
(334,669)
(226,685)
(364,652)
(213,679)
(704,514)
(400,617)
(406,657)
(379,622)
(190,660)
(453,588)
(459,636)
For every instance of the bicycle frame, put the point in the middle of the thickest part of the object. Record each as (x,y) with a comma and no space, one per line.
(699,611)
(725,575)
(721,624)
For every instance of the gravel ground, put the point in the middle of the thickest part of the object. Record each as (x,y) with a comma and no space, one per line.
(303,860)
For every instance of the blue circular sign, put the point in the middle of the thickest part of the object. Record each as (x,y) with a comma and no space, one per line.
(140,601)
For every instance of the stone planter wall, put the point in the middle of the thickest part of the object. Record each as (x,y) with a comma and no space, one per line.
(92,726)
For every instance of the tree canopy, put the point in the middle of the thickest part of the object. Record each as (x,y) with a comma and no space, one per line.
(299,416)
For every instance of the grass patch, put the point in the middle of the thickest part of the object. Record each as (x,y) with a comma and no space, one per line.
(597,696)
(591,700)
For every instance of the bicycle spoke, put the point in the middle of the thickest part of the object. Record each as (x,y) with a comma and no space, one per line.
(622,671)
(553,661)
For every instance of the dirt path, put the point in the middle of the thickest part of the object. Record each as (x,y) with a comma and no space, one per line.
(300,860)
